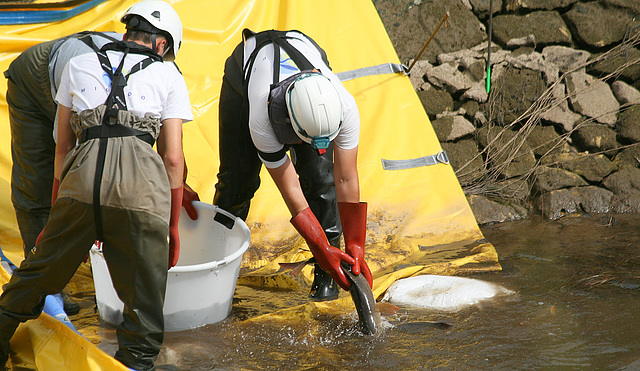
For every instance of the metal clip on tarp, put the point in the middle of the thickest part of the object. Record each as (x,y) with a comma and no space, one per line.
(439,158)
(380,69)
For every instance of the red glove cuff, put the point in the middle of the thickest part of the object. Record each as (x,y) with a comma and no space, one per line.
(54,190)
(174,238)
(176,204)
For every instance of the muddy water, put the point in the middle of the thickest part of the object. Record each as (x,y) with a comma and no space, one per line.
(577,306)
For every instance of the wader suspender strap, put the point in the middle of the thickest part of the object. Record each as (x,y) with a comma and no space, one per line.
(278,38)
(109,127)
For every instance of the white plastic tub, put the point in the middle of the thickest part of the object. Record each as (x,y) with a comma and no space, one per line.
(200,287)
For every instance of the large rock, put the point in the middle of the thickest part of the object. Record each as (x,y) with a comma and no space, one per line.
(629,125)
(545,140)
(538,4)
(567,59)
(592,97)
(417,75)
(625,180)
(625,184)
(465,159)
(625,93)
(629,5)
(435,101)
(547,27)
(598,25)
(454,78)
(449,128)
(626,203)
(622,62)
(595,138)
(593,168)
(550,179)
(410,25)
(481,7)
(515,91)
(507,151)
(513,189)
(559,203)
(629,156)
(557,110)
(487,211)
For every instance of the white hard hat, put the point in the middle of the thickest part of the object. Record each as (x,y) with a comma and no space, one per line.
(315,109)
(160,15)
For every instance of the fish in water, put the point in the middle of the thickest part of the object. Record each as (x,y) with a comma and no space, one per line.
(420,326)
(297,267)
(369,312)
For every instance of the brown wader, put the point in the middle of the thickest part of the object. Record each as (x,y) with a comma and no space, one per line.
(135,204)
(239,173)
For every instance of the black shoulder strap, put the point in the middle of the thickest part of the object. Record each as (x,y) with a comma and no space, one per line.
(116,100)
(279,38)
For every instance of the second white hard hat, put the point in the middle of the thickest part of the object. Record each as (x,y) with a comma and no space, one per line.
(315,109)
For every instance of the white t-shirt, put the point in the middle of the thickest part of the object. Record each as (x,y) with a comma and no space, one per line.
(64,50)
(158,90)
(261,78)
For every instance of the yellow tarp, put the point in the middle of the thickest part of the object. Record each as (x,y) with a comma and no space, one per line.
(419,220)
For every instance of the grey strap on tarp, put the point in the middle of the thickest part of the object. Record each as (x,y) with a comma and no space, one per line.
(439,158)
(380,69)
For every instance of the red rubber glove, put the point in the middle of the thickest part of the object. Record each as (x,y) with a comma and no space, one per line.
(326,255)
(54,197)
(174,237)
(188,197)
(353,216)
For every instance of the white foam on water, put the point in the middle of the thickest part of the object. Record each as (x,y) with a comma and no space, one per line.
(445,293)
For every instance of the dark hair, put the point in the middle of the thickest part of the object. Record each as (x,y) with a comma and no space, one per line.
(143,36)
(140,29)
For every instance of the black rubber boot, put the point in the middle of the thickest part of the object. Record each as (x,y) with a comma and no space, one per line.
(7,328)
(71,307)
(4,356)
(323,288)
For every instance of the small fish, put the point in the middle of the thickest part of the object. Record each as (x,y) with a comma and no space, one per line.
(387,309)
(420,326)
(297,267)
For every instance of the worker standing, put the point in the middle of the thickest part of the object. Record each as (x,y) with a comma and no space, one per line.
(112,186)
(280,96)
(32,82)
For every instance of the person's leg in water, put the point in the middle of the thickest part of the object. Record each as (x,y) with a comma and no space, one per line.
(65,243)
(31,120)
(138,262)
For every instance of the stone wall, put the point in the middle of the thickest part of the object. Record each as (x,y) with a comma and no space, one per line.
(558,131)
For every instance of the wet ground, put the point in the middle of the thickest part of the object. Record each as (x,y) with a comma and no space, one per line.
(577,303)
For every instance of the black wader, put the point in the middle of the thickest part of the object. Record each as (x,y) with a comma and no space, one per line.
(31,115)
(239,174)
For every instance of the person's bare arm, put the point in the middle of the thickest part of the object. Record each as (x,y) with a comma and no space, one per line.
(66,140)
(346,174)
(170,149)
(286,180)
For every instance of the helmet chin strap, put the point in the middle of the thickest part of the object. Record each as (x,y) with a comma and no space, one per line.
(154,47)
(154,43)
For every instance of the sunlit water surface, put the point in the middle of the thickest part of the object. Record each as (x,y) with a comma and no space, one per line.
(576,306)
